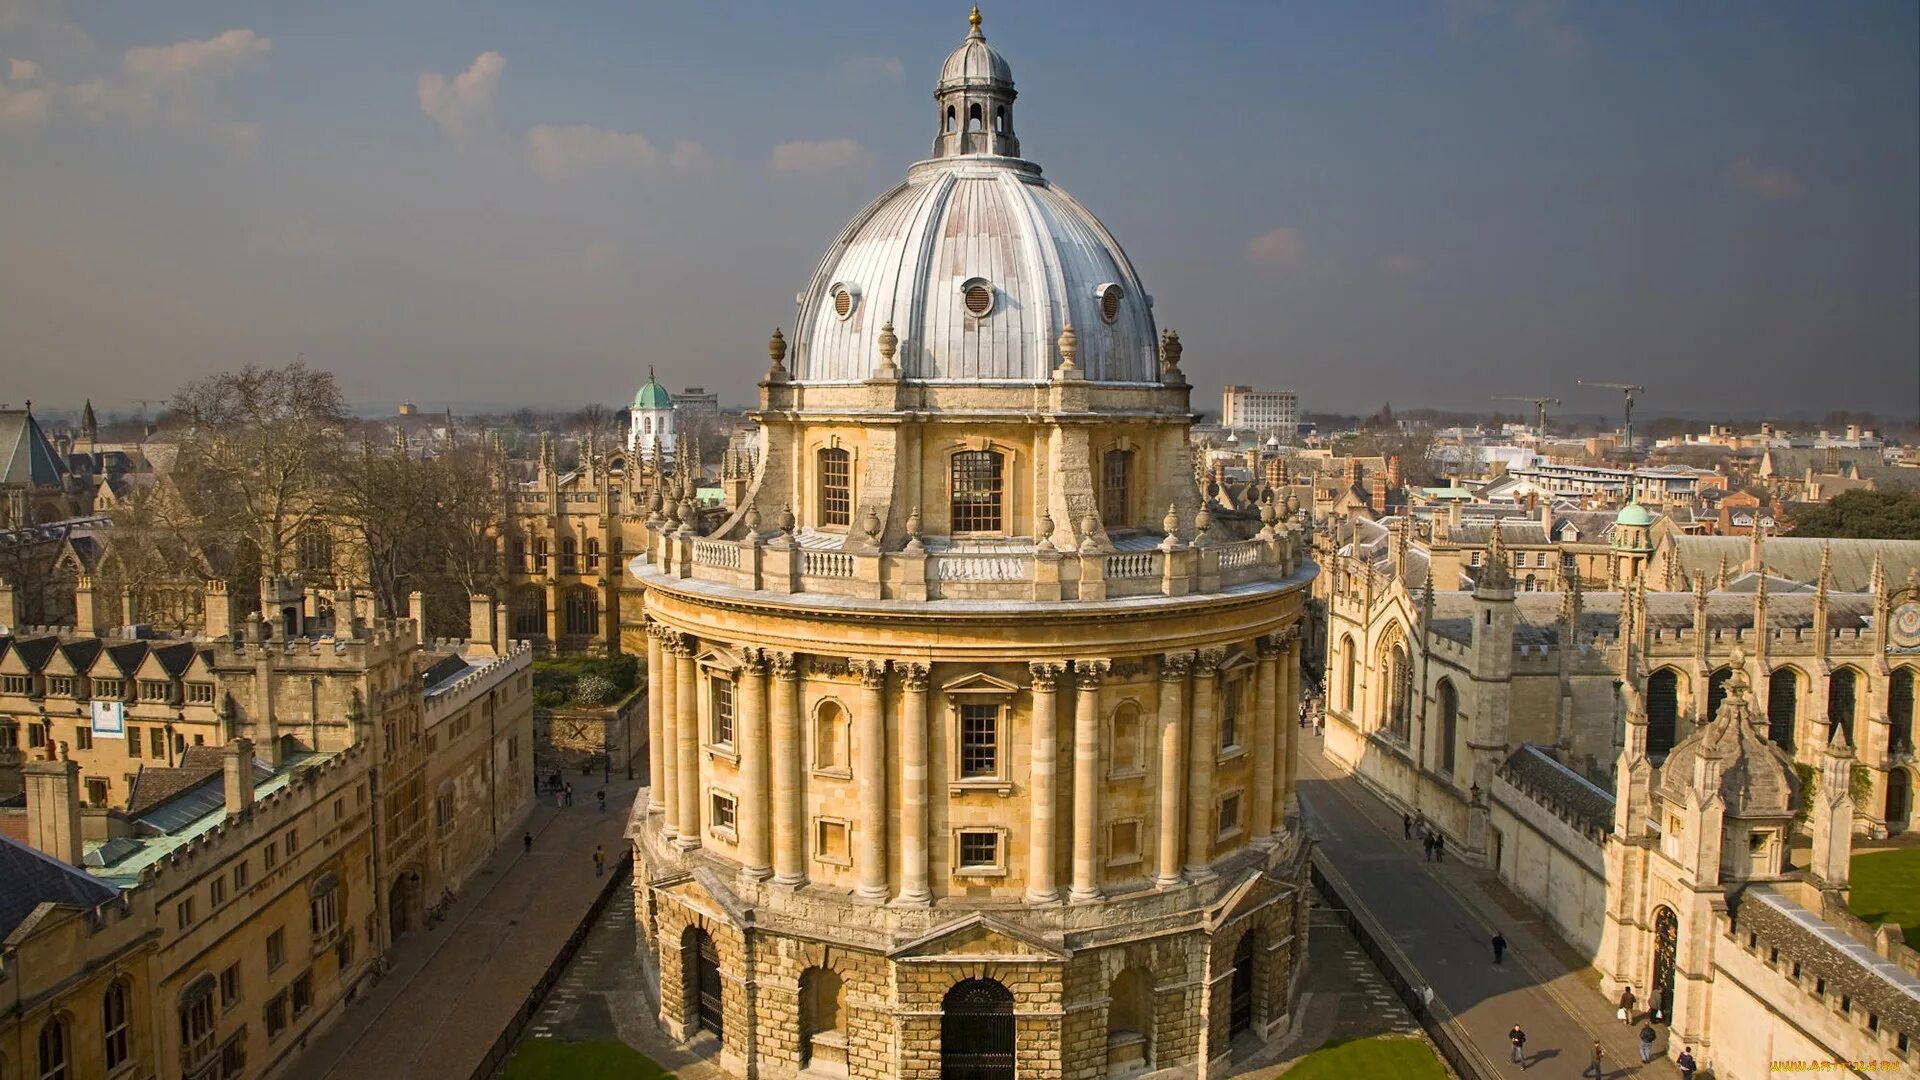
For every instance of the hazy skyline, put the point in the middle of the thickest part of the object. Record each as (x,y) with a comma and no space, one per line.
(1422,203)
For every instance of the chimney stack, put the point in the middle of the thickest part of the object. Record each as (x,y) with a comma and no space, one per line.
(9,606)
(238,774)
(218,606)
(53,805)
(417,611)
(480,625)
(86,607)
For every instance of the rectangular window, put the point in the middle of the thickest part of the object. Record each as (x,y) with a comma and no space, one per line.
(293,842)
(1230,815)
(976,491)
(1123,843)
(196,1025)
(1113,487)
(183,914)
(303,993)
(61,685)
(276,1015)
(96,792)
(230,985)
(722,812)
(200,693)
(217,892)
(720,692)
(36,735)
(155,690)
(276,949)
(979,740)
(836,489)
(830,842)
(343,952)
(157,742)
(240,877)
(442,811)
(1230,710)
(979,850)
(233,1057)
(133,742)
(83,738)
(16,684)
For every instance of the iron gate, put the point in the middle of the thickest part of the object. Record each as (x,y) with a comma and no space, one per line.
(976,1032)
(1240,1006)
(1666,947)
(700,962)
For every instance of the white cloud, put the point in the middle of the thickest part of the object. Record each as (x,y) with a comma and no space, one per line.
(874,68)
(1283,246)
(463,104)
(172,84)
(826,157)
(186,63)
(24,106)
(1774,182)
(23,70)
(563,150)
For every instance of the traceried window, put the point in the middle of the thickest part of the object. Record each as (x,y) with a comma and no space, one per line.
(836,491)
(976,491)
(569,549)
(53,1049)
(1115,469)
(113,1023)
(979,740)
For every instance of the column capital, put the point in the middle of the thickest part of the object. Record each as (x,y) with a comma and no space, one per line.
(786,665)
(1046,676)
(872,673)
(912,676)
(1269,645)
(1087,674)
(680,645)
(754,661)
(1206,662)
(1175,666)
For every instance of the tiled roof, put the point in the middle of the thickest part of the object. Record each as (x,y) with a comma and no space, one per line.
(26,457)
(29,878)
(1571,796)
(1798,558)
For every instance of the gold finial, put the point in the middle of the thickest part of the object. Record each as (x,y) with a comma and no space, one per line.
(973,20)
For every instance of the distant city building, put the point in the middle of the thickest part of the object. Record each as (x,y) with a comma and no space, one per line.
(650,421)
(1265,412)
(695,400)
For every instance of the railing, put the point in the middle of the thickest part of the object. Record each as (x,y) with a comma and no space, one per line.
(1133,564)
(980,568)
(1240,554)
(718,553)
(826,564)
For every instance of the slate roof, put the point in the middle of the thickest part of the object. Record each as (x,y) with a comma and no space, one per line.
(1824,951)
(1537,618)
(33,652)
(29,878)
(1798,557)
(1756,777)
(1569,795)
(26,457)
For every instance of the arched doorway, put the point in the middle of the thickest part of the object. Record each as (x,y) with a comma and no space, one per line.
(1130,1023)
(403,901)
(1899,800)
(700,981)
(976,1031)
(823,999)
(1663,712)
(1240,999)
(1666,949)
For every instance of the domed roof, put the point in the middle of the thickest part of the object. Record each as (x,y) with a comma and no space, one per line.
(1633,514)
(1752,777)
(977,262)
(975,63)
(652,395)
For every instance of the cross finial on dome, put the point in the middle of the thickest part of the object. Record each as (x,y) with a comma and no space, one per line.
(973,21)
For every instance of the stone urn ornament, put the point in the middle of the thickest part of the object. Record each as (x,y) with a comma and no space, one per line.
(786,519)
(913,531)
(1044,542)
(871,525)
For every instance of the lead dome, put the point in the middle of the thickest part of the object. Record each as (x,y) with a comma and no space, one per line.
(976,260)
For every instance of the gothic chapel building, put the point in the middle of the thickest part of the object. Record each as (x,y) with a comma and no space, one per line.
(969,732)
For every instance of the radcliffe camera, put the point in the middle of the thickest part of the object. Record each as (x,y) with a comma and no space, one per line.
(1056,542)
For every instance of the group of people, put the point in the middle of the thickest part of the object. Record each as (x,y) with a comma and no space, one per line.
(1312,715)
(1517,1038)
(1431,839)
(563,793)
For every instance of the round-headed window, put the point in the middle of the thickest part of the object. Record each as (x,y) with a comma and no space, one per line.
(845,298)
(977,294)
(1110,296)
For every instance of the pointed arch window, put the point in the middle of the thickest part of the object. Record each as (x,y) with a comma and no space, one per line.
(1783,707)
(1841,688)
(113,1023)
(53,1048)
(1663,711)
(1449,725)
(1900,710)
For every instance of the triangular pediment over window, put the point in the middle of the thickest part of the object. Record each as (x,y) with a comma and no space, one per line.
(981,937)
(979,683)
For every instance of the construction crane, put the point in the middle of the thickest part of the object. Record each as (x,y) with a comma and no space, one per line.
(1629,389)
(1539,410)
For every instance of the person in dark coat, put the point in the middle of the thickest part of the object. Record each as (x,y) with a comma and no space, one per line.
(1499,944)
(1519,1040)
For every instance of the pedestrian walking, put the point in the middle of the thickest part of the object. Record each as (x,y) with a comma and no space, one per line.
(602,796)
(1439,847)
(1646,1042)
(559,798)
(569,794)
(1519,1040)
(1627,1003)
(1499,944)
(1303,713)
(1319,726)
(1686,1063)
(1594,1068)
(527,840)
(1426,845)
(1406,825)
(599,860)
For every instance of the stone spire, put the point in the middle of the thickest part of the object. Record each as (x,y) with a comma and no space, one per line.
(1832,818)
(1878,580)
(1756,538)
(89,428)
(1496,574)
(1720,582)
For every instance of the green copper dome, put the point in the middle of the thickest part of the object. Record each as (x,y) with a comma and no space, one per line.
(652,395)
(1633,514)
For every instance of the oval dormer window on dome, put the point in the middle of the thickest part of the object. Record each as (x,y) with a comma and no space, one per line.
(1110,296)
(978,295)
(845,299)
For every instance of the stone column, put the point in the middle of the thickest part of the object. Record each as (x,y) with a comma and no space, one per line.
(686,699)
(656,726)
(1290,761)
(1173,763)
(669,732)
(1265,724)
(553,614)
(870,776)
(1042,829)
(913,785)
(1203,751)
(755,860)
(1086,787)
(789,808)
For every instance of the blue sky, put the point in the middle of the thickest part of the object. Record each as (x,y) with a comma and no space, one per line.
(1422,203)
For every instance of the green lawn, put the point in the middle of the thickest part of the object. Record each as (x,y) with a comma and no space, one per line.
(1385,1057)
(605,1059)
(1886,888)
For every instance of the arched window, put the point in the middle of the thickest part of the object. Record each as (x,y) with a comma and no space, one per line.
(1841,687)
(53,1048)
(830,737)
(976,491)
(1717,690)
(196,1022)
(823,1010)
(1000,118)
(113,1023)
(973,117)
(1663,711)
(1449,724)
(1128,740)
(583,611)
(948,125)
(540,554)
(1397,695)
(1130,1022)
(1116,467)
(593,554)
(569,548)
(1350,676)
(1783,706)
(1532,585)
(1900,710)
(836,487)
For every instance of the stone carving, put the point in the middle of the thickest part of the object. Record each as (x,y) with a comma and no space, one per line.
(786,665)
(1206,662)
(913,676)
(828,667)
(754,661)
(1087,674)
(872,673)
(1174,667)
(1046,676)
